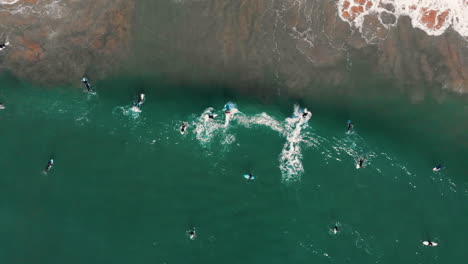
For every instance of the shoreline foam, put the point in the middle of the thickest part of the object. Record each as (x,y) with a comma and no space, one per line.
(432,16)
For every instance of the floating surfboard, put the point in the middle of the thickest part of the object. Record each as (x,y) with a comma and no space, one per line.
(435,169)
(247,176)
(426,243)
(357,166)
(2,107)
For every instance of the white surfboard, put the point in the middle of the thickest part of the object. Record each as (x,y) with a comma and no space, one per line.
(435,169)
(2,107)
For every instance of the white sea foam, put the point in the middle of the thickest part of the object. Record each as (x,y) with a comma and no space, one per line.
(262,119)
(431,16)
(291,157)
(8,2)
(53,9)
(206,128)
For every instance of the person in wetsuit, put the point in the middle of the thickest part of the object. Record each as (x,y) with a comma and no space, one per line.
(4,45)
(192,234)
(350,126)
(86,83)
(361,162)
(49,166)
(335,229)
(183,128)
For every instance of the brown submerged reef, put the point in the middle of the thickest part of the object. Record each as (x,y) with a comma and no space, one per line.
(255,45)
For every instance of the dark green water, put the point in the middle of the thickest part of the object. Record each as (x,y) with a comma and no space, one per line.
(125,188)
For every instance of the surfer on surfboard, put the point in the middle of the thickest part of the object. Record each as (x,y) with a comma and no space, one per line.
(430,243)
(2,106)
(183,128)
(192,234)
(335,229)
(360,163)
(4,45)
(249,177)
(138,103)
(87,84)
(438,167)
(350,126)
(49,166)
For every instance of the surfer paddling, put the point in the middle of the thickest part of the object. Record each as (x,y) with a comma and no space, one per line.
(360,163)
(438,168)
(139,103)
(350,126)
(87,84)
(192,234)
(249,177)
(50,163)
(335,230)
(141,99)
(430,243)
(183,128)
(4,45)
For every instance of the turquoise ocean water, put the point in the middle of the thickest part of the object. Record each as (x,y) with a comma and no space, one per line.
(126,187)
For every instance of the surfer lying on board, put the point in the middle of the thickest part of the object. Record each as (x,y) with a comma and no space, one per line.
(4,45)
(49,166)
(350,126)
(438,167)
(430,243)
(360,162)
(249,177)
(192,234)
(335,229)
(87,84)
(140,100)
(183,128)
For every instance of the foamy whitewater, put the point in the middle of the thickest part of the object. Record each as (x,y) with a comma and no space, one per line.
(432,16)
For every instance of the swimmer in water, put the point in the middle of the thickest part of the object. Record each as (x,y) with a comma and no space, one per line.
(438,167)
(49,166)
(335,230)
(211,116)
(430,243)
(4,45)
(350,127)
(183,128)
(361,162)
(192,234)
(87,84)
